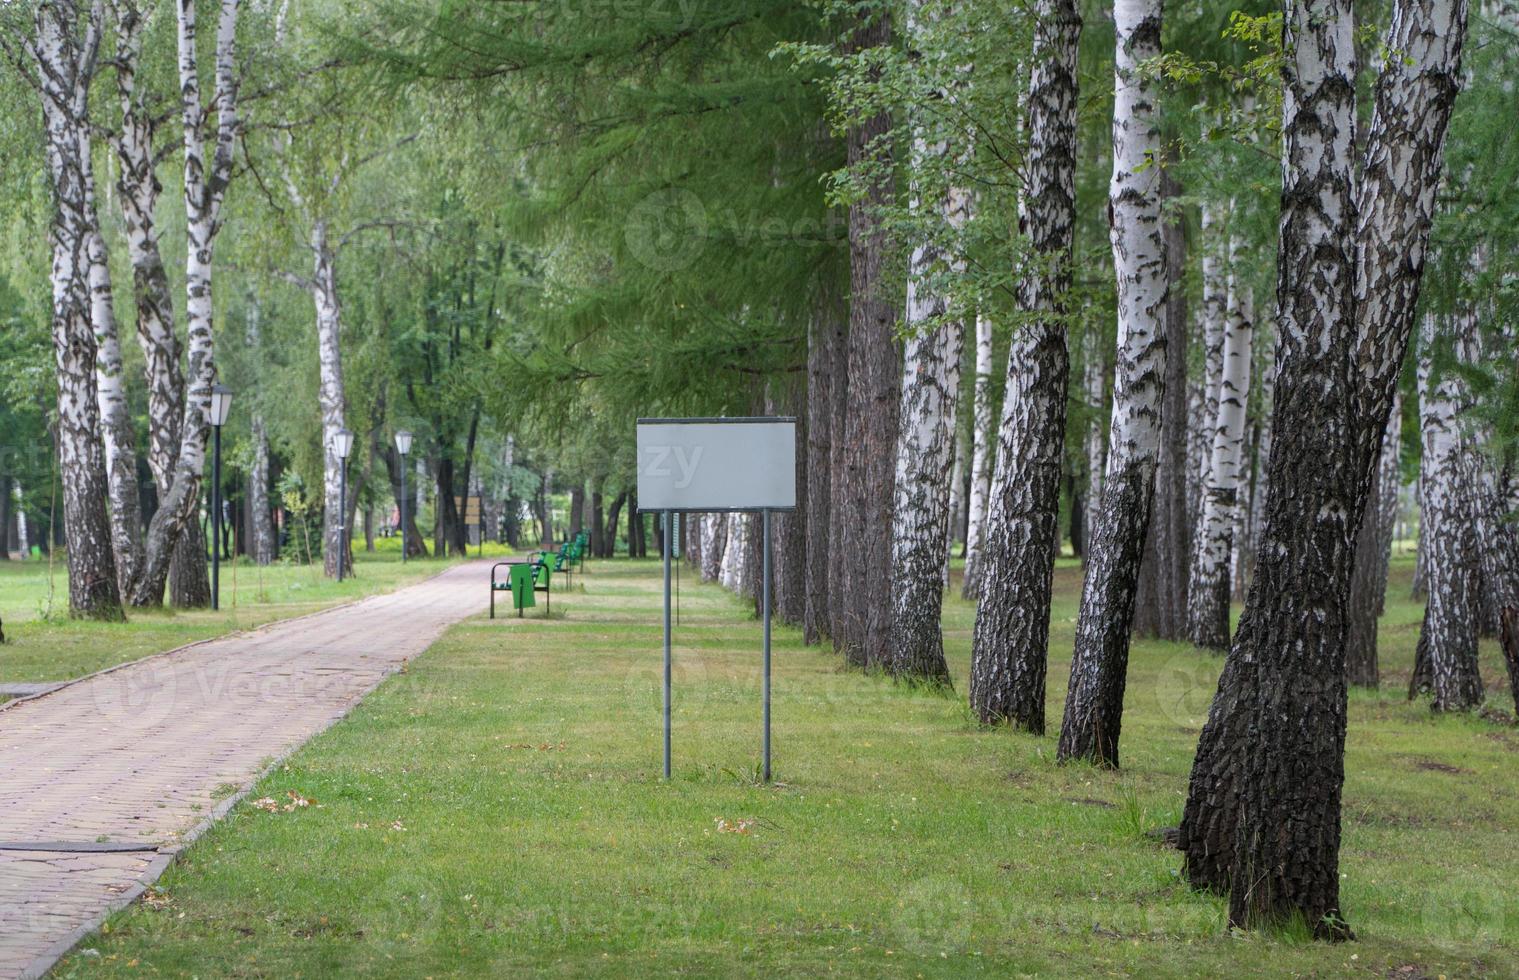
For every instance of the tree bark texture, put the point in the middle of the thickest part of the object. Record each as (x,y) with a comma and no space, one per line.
(1094,700)
(1368,580)
(982,459)
(1449,633)
(1262,818)
(205,187)
(1160,602)
(1009,650)
(826,339)
(66,63)
(1208,591)
(870,425)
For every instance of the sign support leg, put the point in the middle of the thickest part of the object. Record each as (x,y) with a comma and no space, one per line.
(666,549)
(765,600)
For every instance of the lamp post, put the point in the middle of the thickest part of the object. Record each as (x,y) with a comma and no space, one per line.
(403,446)
(216,414)
(342,444)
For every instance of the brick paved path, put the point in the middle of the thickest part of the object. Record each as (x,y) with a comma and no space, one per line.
(135,757)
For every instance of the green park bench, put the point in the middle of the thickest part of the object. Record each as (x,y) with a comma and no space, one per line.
(522,580)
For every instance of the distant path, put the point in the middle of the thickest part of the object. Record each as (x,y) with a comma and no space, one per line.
(133,758)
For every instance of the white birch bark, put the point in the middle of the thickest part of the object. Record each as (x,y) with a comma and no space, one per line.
(1449,638)
(714,545)
(1209,589)
(1204,408)
(735,553)
(982,458)
(925,457)
(1094,702)
(1009,652)
(1094,389)
(110,389)
(138,190)
(331,397)
(927,422)
(205,186)
(66,63)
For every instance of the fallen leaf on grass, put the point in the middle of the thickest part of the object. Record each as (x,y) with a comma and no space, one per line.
(742,826)
(271,805)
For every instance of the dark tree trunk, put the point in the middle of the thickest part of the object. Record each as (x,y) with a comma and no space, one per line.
(1021,536)
(189,576)
(825,340)
(838,391)
(1262,817)
(412,541)
(1368,582)
(598,529)
(1160,603)
(5,516)
(1508,634)
(577,509)
(870,427)
(614,515)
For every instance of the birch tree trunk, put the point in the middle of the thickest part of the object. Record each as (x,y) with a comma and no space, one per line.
(205,185)
(331,398)
(714,546)
(111,391)
(1094,701)
(1204,411)
(258,496)
(1208,591)
(982,458)
(928,424)
(1262,818)
(1009,650)
(1094,386)
(875,371)
(925,454)
(1368,580)
(66,63)
(1449,634)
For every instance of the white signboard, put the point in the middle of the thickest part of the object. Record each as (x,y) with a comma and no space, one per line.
(717,464)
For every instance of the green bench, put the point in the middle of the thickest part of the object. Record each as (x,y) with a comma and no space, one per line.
(522,580)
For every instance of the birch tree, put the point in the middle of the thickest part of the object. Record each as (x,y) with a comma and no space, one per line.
(1368,582)
(1094,701)
(1022,536)
(1262,817)
(928,414)
(1209,591)
(205,187)
(981,459)
(65,49)
(1448,640)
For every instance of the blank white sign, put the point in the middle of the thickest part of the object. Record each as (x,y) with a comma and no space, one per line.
(717,464)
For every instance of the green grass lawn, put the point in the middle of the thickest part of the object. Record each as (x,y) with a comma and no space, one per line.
(45,645)
(497,810)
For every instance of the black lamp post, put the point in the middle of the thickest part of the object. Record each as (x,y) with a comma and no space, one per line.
(403,446)
(342,444)
(216,414)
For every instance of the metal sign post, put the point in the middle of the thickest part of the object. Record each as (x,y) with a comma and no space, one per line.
(725,465)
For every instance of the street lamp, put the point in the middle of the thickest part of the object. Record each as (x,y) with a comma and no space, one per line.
(216,414)
(342,444)
(403,446)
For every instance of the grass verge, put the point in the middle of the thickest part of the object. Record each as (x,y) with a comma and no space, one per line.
(497,810)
